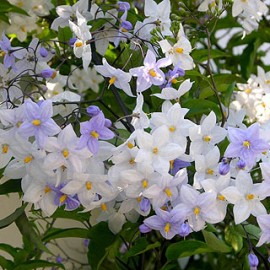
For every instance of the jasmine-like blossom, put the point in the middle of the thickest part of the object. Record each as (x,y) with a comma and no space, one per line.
(150,73)
(92,131)
(167,223)
(38,121)
(246,144)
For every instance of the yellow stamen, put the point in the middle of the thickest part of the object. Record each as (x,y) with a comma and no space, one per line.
(88,185)
(168,192)
(172,128)
(54,75)
(94,134)
(65,153)
(174,81)
(23,28)
(196,211)
(221,197)
(250,196)
(103,207)
(132,161)
(144,183)
(47,189)
(171,164)
(248,90)
(112,80)
(139,199)
(167,227)
(210,171)
(2,53)
(267,81)
(206,138)
(130,145)
(263,104)
(124,30)
(179,50)
(78,43)
(152,73)
(55,92)
(63,198)
(28,159)
(36,122)
(155,150)
(18,124)
(264,153)
(5,148)
(246,144)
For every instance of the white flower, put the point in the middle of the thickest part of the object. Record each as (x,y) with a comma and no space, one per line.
(118,77)
(156,149)
(206,166)
(81,47)
(264,223)
(205,136)
(246,198)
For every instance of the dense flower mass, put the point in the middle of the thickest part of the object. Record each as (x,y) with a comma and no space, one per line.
(137,115)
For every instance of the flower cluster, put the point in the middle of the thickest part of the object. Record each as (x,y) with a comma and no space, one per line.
(183,165)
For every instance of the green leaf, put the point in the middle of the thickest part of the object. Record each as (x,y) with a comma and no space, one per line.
(31,239)
(56,233)
(186,249)
(228,94)
(140,246)
(9,249)
(248,58)
(100,240)
(6,264)
(233,238)
(215,243)
(202,55)
(37,264)
(64,35)
(200,106)
(11,218)
(7,7)
(74,215)
(11,186)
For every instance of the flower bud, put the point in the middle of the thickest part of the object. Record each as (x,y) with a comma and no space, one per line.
(145,204)
(93,110)
(48,73)
(126,25)
(123,6)
(184,230)
(241,164)
(224,166)
(72,41)
(43,52)
(144,229)
(253,261)
(108,123)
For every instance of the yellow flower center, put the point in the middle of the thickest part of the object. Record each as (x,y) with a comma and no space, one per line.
(246,144)
(23,28)
(171,164)
(103,207)
(152,73)
(94,134)
(78,43)
(179,50)
(174,81)
(36,122)
(196,211)
(28,159)
(221,197)
(250,196)
(88,185)
(18,124)
(130,145)
(172,128)
(63,198)
(47,189)
(210,171)
(248,90)
(65,153)
(155,150)
(167,227)
(112,80)
(144,183)
(206,138)
(5,148)
(267,81)
(168,192)
(132,161)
